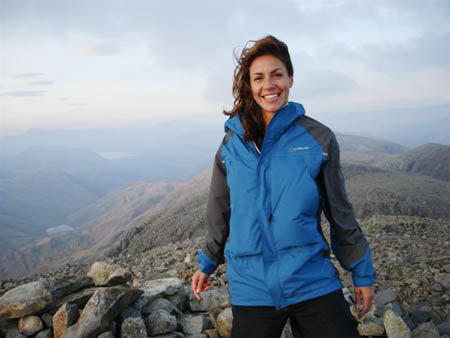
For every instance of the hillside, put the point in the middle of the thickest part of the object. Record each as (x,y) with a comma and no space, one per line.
(35,200)
(431,159)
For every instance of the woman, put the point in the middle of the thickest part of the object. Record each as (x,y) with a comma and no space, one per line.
(274,173)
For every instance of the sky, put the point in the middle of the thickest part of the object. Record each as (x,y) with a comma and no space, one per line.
(109,63)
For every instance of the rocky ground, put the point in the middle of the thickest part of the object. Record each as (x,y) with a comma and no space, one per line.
(411,256)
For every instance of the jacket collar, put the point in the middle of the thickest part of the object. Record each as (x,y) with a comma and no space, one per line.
(280,122)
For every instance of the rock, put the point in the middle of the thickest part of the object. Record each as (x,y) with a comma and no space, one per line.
(170,335)
(101,309)
(161,303)
(443,279)
(287,330)
(444,327)
(24,300)
(180,299)
(194,324)
(384,297)
(66,316)
(107,334)
(372,328)
(107,274)
(425,330)
(212,333)
(421,316)
(224,322)
(200,335)
(217,298)
(133,325)
(395,326)
(80,298)
(188,259)
(30,325)
(162,287)
(141,303)
(159,322)
(47,333)
(63,287)
(14,333)
(47,319)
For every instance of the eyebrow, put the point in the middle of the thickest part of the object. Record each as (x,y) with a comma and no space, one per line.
(276,69)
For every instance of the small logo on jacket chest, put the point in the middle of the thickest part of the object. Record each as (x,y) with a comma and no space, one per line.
(298,148)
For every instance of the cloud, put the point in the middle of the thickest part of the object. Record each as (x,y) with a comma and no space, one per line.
(25,93)
(41,83)
(430,50)
(97,49)
(27,75)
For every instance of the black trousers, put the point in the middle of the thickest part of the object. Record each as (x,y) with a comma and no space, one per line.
(326,316)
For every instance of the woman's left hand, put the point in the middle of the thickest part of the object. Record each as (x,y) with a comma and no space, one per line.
(366,293)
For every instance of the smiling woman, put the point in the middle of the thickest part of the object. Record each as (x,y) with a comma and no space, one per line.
(274,173)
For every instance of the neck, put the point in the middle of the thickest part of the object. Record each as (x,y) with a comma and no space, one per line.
(267,116)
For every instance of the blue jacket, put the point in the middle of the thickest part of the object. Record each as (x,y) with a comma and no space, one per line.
(264,211)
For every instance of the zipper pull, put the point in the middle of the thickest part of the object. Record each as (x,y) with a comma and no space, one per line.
(270,218)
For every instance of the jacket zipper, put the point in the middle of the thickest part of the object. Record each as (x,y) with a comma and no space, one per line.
(277,306)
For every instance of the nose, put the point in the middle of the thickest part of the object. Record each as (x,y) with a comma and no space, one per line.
(268,83)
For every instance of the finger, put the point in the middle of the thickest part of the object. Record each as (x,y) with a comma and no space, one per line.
(199,289)
(357,298)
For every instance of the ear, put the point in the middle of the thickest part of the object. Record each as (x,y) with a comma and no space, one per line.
(291,81)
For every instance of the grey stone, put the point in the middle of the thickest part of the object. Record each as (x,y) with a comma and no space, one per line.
(425,330)
(395,326)
(24,300)
(287,330)
(224,322)
(443,279)
(421,316)
(107,334)
(170,335)
(47,319)
(141,303)
(63,287)
(200,335)
(105,305)
(47,333)
(384,297)
(80,298)
(14,333)
(217,298)
(132,324)
(180,299)
(163,287)
(444,327)
(159,322)
(29,325)
(195,324)
(161,303)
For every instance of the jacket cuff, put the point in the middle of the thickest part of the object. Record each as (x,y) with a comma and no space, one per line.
(363,273)
(206,264)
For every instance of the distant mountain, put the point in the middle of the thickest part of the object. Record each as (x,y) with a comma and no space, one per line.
(367,151)
(430,159)
(35,200)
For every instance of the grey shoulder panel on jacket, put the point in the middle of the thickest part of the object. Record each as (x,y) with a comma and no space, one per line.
(321,133)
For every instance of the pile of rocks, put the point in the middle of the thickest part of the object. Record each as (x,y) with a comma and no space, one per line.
(108,302)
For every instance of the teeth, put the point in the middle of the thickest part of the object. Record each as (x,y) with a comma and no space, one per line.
(271,96)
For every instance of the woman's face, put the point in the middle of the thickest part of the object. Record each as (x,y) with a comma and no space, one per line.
(270,83)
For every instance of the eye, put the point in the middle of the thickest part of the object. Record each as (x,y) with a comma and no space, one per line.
(278,74)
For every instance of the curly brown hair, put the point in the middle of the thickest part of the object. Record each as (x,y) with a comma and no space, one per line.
(244,105)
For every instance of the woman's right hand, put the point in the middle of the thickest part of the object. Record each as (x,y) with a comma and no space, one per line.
(200,283)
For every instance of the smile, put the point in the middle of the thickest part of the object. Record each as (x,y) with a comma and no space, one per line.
(271,96)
